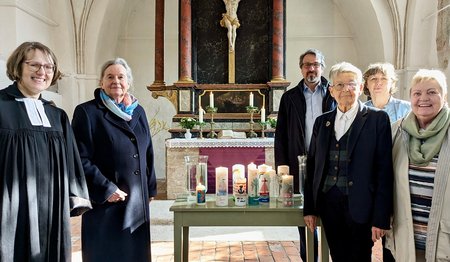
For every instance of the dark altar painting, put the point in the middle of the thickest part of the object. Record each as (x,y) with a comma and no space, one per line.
(230,101)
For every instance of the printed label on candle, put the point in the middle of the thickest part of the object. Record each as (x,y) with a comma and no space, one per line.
(263,188)
(221,186)
(201,194)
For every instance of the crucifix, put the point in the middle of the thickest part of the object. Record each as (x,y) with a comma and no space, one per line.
(231,22)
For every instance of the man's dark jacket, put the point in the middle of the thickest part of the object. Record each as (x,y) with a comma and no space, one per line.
(290,130)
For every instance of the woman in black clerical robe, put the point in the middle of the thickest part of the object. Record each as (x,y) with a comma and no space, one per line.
(41,177)
(116,149)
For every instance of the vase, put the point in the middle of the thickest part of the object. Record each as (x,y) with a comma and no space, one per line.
(188,134)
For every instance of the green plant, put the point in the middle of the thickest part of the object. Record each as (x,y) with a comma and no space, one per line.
(272,122)
(188,122)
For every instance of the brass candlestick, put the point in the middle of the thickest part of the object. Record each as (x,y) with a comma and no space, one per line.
(252,110)
(212,111)
(200,125)
(263,129)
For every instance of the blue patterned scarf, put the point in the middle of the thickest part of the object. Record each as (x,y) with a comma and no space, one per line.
(120,109)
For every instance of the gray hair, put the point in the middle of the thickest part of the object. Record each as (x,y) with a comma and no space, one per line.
(430,74)
(314,52)
(117,61)
(345,67)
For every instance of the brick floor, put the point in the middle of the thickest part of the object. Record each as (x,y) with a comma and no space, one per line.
(233,251)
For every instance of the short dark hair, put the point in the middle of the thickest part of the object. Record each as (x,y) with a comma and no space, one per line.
(317,53)
(14,67)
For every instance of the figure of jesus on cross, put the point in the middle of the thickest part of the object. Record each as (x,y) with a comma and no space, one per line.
(230,21)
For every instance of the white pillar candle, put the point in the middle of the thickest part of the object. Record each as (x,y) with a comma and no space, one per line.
(240,197)
(287,190)
(251,99)
(283,170)
(211,99)
(263,168)
(263,115)
(252,180)
(221,186)
(238,172)
(274,184)
(200,115)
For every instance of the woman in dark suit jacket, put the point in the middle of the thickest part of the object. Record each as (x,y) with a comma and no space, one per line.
(116,150)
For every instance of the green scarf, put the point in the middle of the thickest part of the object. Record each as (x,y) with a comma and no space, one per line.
(426,143)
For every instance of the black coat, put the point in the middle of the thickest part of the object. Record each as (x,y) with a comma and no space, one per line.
(41,182)
(290,133)
(115,154)
(369,166)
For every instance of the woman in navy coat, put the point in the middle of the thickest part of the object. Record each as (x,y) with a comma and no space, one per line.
(116,150)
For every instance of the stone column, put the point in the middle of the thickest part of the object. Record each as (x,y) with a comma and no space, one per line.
(159,44)
(278,42)
(185,42)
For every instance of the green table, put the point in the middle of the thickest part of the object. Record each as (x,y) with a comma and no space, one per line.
(274,214)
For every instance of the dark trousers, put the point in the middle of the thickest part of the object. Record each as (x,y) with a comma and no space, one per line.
(387,255)
(348,241)
(302,233)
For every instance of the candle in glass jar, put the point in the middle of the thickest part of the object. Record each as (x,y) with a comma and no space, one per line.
(221,186)
(201,194)
(251,99)
(211,99)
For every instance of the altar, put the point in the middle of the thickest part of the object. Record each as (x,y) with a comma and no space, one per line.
(220,152)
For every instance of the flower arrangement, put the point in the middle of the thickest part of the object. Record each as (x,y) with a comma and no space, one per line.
(188,122)
(272,122)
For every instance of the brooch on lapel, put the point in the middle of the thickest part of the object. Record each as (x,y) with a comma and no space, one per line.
(327,124)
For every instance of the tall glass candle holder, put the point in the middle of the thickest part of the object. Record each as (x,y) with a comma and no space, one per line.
(196,174)
(301,175)
(212,111)
(252,110)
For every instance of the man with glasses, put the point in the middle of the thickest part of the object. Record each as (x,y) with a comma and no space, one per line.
(299,107)
(349,179)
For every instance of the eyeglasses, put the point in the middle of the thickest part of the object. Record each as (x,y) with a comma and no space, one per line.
(340,86)
(35,67)
(308,65)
